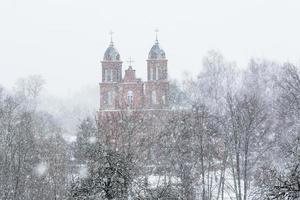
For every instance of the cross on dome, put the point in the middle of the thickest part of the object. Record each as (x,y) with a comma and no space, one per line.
(111,53)
(156,51)
(156,32)
(111,37)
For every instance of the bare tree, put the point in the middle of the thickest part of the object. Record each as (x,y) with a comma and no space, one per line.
(23,132)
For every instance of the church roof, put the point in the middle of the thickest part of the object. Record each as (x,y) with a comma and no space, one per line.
(157,52)
(111,53)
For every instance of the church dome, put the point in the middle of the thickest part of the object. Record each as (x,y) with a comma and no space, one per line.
(111,54)
(156,52)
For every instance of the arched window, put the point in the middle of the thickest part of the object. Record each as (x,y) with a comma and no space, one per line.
(153,97)
(105,74)
(130,97)
(109,98)
(119,75)
(110,78)
(108,74)
(163,99)
(152,74)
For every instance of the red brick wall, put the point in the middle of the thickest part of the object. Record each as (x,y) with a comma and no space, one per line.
(138,96)
(141,90)
(162,66)
(115,66)
(162,89)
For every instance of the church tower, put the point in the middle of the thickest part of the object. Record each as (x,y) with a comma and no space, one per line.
(129,92)
(111,65)
(157,63)
(157,86)
(111,76)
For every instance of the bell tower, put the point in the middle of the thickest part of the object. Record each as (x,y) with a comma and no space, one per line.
(157,86)
(111,76)
(157,64)
(111,64)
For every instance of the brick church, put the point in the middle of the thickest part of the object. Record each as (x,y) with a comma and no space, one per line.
(118,92)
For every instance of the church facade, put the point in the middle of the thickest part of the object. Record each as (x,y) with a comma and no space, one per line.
(118,92)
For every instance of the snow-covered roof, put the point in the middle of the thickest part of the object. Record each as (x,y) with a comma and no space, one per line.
(111,54)
(157,52)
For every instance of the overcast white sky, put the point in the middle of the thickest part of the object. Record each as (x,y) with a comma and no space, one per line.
(64,40)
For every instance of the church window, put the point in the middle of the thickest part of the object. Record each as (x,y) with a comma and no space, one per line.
(105,74)
(109,99)
(163,98)
(165,73)
(110,77)
(118,75)
(108,74)
(151,74)
(130,97)
(153,97)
